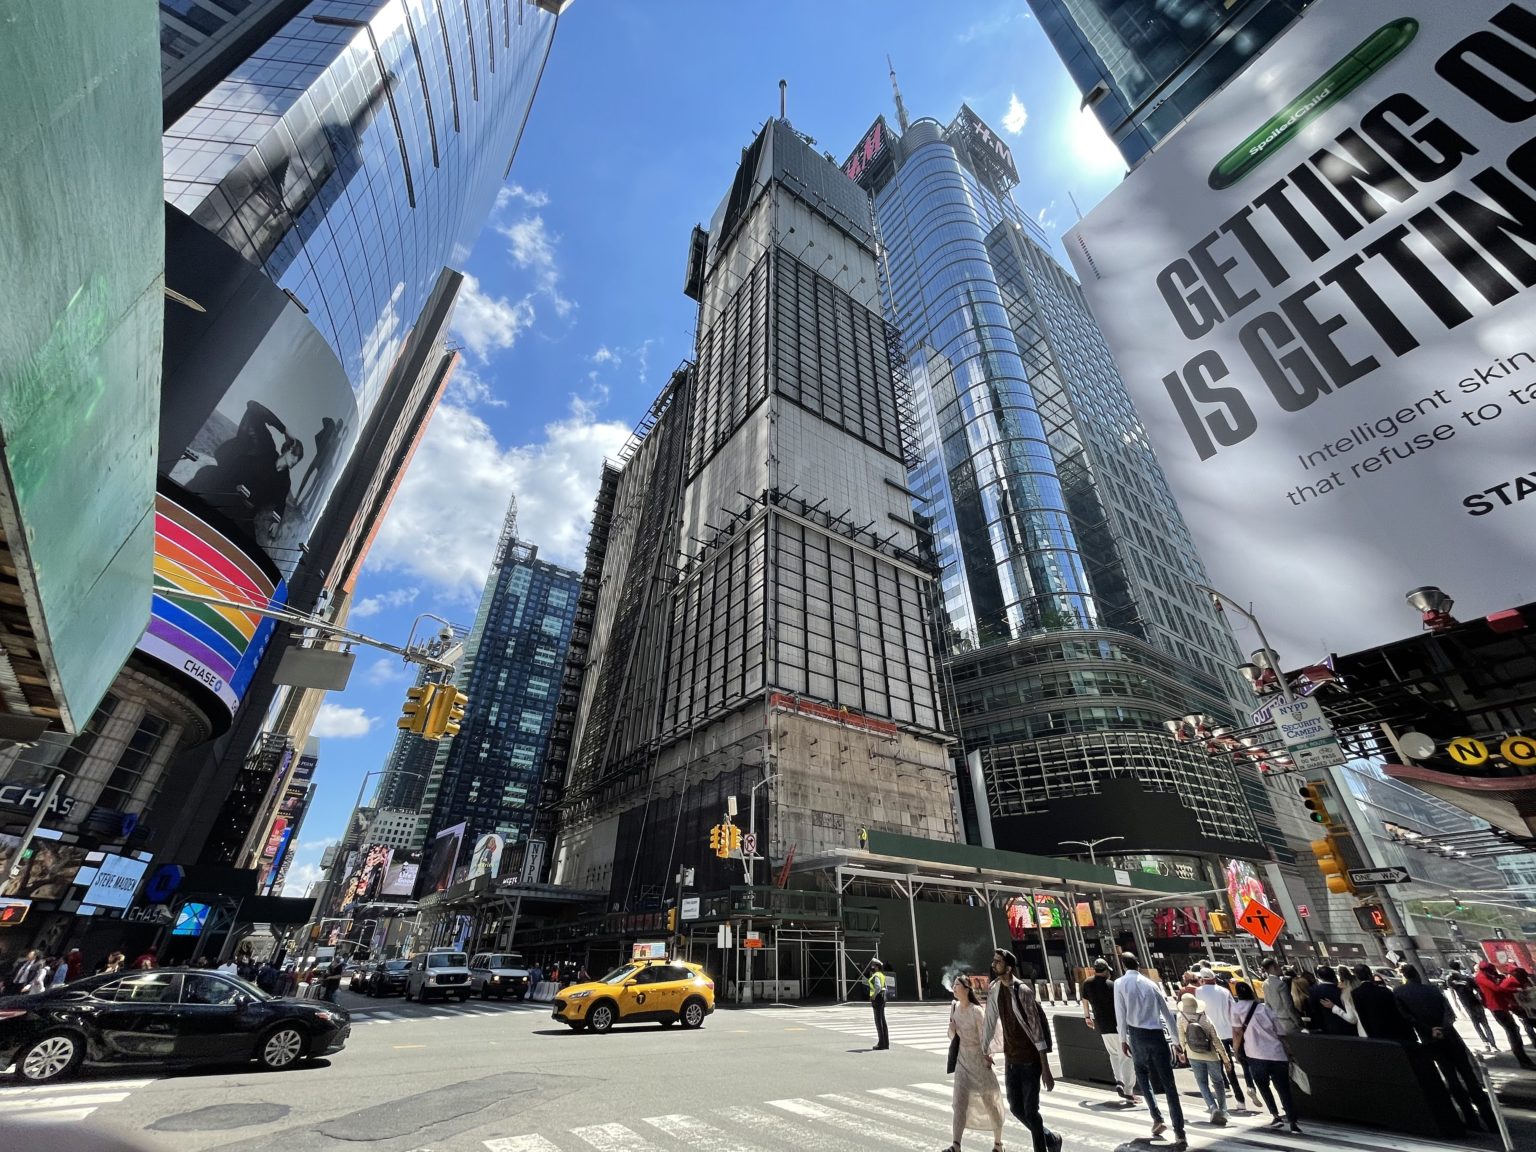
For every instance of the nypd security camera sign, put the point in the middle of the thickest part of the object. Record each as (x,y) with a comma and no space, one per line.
(1321,293)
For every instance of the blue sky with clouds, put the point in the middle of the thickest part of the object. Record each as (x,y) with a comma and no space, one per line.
(573,313)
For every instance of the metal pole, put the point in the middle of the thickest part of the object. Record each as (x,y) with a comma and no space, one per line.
(986,896)
(917,959)
(1045,955)
(32,825)
(1285,688)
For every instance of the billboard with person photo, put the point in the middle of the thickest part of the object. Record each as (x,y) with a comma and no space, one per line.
(443,860)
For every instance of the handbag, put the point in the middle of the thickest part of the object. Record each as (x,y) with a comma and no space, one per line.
(954,1048)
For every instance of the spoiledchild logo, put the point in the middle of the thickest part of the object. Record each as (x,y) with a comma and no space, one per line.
(1369,56)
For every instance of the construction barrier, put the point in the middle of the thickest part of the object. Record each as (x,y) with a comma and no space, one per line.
(545,990)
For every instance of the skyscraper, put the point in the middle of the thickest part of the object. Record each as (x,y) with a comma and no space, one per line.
(488,776)
(1071,625)
(760,630)
(1145,65)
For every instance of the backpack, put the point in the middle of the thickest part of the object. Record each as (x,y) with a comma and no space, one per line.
(1197,1037)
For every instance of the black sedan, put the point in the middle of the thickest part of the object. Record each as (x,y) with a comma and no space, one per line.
(387,978)
(165,1016)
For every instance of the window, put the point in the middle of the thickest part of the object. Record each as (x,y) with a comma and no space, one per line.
(201,988)
(149,988)
(133,763)
(82,744)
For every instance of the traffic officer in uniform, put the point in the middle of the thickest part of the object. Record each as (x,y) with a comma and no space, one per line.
(877,1002)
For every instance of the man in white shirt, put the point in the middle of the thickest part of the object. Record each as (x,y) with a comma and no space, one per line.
(1219,1006)
(1141,1010)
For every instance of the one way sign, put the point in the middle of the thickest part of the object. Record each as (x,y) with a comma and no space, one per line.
(1378,875)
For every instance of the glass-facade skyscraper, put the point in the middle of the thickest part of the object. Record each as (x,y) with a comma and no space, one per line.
(489,775)
(1145,65)
(358,151)
(1070,624)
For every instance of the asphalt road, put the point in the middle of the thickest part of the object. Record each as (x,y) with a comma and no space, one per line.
(505,1078)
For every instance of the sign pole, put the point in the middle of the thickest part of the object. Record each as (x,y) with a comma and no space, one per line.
(35,823)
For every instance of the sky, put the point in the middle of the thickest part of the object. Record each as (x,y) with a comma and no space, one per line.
(572,314)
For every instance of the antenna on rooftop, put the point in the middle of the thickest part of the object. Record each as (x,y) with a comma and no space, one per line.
(901,109)
(783,99)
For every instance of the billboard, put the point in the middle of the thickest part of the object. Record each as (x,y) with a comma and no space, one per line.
(1244,886)
(111,879)
(363,882)
(444,859)
(400,879)
(216,647)
(1319,293)
(486,858)
(260,413)
(46,876)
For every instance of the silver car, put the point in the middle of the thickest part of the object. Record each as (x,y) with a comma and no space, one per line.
(440,972)
(498,974)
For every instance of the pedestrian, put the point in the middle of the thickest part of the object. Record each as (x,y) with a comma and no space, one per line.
(1465,990)
(1379,1015)
(1301,988)
(1525,999)
(268,978)
(332,979)
(113,963)
(1321,997)
(76,962)
(1499,991)
(60,974)
(1026,1047)
(145,960)
(1142,1011)
(877,1002)
(583,976)
(928,989)
(1431,1016)
(1277,994)
(22,974)
(1099,1011)
(1218,1004)
(1256,1039)
(977,1102)
(1207,1057)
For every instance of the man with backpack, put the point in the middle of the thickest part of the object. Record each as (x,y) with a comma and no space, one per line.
(1208,1058)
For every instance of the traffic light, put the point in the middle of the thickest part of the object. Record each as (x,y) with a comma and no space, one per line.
(447,713)
(671,919)
(1221,924)
(1312,799)
(735,834)
(417,712)
(1330,862)
(718,841)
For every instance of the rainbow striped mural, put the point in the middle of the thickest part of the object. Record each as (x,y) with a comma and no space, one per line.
(217,647)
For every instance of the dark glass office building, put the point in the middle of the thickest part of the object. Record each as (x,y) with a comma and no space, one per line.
(489,775)
(1145,65)
(1071,628)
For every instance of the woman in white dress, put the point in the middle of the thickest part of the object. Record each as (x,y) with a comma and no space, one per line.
(978,1101)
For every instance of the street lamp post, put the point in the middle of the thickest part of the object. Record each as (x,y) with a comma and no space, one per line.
(1092,846)
(749,867)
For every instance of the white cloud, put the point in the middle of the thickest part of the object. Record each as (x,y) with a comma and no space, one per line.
(342,723)
(305,869)
(486,323)
(988,28)
(1016,116)
(534,199)
(531,246)
(387,670)
(467,388)
(395,598)
(444,522)
(606,355)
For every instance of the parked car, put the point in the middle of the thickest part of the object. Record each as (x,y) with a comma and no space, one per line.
(165,1016)
(662,991)
(440,972)
(498,974)
(387,978)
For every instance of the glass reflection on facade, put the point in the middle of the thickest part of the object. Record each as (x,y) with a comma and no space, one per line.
(488,776)
(1071,626)
(1145,65)
(358,152)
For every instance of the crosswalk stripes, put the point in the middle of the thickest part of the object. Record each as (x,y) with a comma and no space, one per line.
(397,1015)
(63,1103)
(916,1117)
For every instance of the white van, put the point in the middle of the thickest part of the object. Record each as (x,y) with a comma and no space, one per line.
(440,972)
(498,974)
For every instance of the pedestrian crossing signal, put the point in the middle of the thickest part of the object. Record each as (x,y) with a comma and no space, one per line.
(13,912)
(1221,924)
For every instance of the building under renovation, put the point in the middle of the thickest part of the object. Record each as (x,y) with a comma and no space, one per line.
(760,622)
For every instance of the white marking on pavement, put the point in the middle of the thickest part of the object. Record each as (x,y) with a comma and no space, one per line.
(74,1086)
(614,1138)
(813,1111)
(32,1102)
(779,1128)
(881,1109)
(905,1097)
(697,1134)
(521,1144)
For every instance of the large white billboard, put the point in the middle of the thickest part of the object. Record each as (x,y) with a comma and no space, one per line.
(1319,292)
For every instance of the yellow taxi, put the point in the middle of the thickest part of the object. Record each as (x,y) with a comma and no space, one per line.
(1233,973)
(643,991)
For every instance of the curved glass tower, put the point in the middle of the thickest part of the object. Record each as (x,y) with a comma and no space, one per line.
(1009,560)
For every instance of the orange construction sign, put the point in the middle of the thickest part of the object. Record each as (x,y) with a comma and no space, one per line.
(1260,923)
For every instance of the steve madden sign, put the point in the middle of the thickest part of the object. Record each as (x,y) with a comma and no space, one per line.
(27,797)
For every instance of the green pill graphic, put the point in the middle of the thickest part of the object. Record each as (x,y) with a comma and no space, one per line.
(1369,56)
